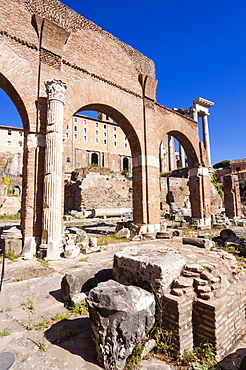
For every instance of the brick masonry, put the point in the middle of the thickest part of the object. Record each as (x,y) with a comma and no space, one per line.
(43,40)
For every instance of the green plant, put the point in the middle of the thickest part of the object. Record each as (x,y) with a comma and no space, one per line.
(12,256)
(219,188)
(135,358)
(16,216)
(43,262)
(42,346)
(5,332)
(203,357)
(79,309)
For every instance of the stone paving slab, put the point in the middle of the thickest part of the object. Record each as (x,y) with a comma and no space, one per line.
(76,353)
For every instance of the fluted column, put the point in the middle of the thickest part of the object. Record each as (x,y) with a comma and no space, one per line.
(53,179)
(181,156)
(171,153)
(206,140)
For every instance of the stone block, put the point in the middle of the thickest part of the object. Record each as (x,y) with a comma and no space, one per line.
(71,251)
(148,266)
(199,242)
(120,317)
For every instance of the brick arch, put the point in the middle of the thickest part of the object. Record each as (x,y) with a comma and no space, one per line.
(19,82)
(123,123)
(192,155)
(98,96)
(9,89)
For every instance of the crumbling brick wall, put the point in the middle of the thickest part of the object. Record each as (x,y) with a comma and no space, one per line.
(97,188)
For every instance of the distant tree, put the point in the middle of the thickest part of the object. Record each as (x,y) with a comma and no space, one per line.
(222,164)
(242,186)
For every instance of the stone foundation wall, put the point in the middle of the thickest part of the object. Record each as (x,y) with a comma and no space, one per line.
(176,189)
(97,188)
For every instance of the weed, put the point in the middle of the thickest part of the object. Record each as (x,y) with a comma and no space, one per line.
(42,346)
(74,267)
(60,317)
(203,356)
(5,333)
(10,217)
(135,358)
(83,260)
(12,256)
(79,309)
(43,262)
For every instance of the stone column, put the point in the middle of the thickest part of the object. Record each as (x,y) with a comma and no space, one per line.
(206,140)
(232,196)
(199,185)
(53,179)
(181,156)
(171,153)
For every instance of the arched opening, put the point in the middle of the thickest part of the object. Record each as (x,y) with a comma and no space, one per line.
(13,119)
(177,155)
(103,139)
(125,164)
(94,159)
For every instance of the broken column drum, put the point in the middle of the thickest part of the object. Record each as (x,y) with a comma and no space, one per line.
(52,208)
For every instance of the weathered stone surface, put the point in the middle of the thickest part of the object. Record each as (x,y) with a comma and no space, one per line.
(82,281)
(12,240)
(71,251)
(124,233)
(120,316)
(149,267)
(182,282)
(194,267)
(199,242)
(78,298)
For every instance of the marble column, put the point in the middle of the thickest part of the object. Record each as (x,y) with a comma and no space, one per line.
(53,177)
(206,140)
(171,153)
(181,156)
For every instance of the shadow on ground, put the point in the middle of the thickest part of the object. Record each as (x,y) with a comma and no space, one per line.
(75,336)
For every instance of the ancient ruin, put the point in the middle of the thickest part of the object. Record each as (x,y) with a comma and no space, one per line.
(45,53)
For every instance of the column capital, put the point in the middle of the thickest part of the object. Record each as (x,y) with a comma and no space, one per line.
(56,90)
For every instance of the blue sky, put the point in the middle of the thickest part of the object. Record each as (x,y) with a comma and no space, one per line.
(199,50)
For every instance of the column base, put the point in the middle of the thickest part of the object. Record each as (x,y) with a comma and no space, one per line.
(202,223)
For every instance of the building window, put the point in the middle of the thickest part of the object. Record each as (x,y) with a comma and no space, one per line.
(68,160)
(104,126)
(125,145)
(75,136)
(68,127)
(75,128)
(20,144)
(85,122)
(114,136)
(105,134)
(66,134)
(20,133)
(9,142)
(85,138)
(125,138)
(238,169)
(115,128)
(85,130)
(96,132)
(9,132)
(105,141)
(75,120)
(96,124)
(115,143)
(96,139)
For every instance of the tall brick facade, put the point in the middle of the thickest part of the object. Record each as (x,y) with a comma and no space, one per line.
(42,40)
